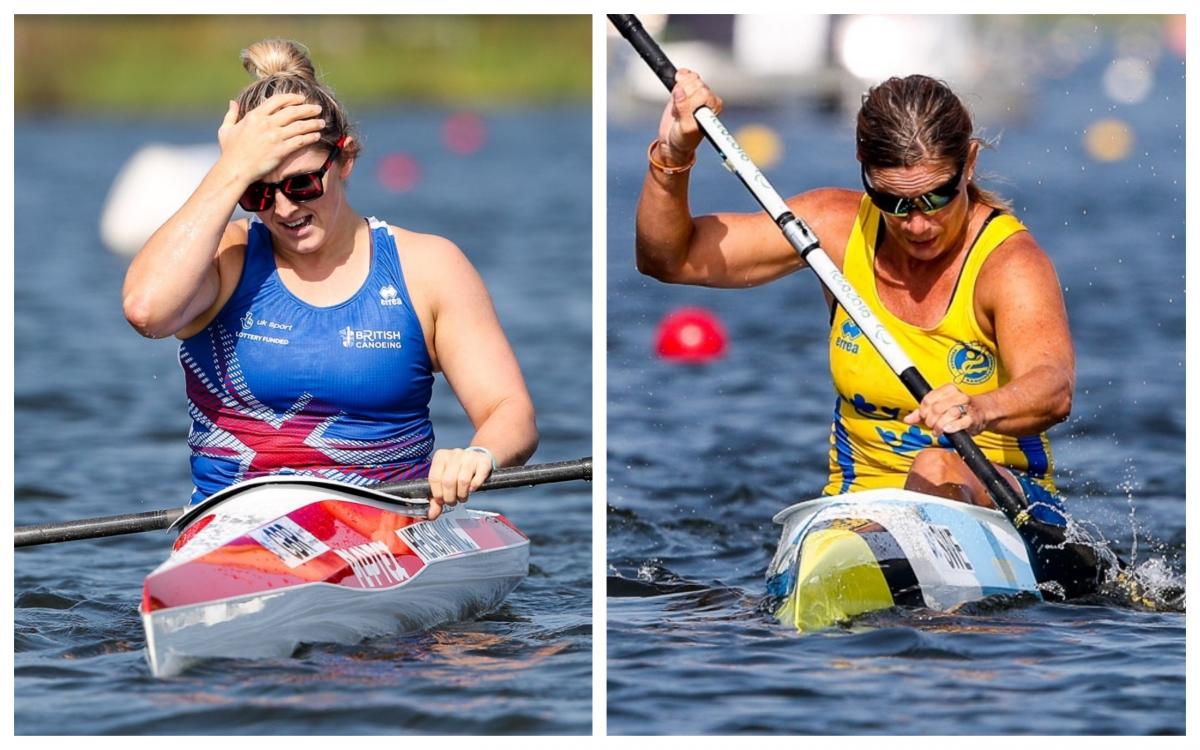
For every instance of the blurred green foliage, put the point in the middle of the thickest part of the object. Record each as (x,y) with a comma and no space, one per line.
(187,64)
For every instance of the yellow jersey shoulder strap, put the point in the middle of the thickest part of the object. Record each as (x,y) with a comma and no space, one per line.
(997,228)
(858,260)
(858,266)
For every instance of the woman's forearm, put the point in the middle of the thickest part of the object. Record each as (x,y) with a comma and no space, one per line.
(664,222)
(509,432)
(169,281)
(1030,404)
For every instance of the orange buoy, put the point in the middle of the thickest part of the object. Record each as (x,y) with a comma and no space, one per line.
(691,335)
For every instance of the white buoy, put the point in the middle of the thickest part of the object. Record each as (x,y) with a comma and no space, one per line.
(152,185)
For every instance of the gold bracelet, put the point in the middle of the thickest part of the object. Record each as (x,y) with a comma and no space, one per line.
(663,167)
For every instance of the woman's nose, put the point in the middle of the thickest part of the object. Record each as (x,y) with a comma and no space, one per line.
(917,222)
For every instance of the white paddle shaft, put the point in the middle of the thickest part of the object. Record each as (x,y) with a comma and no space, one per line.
(802,239)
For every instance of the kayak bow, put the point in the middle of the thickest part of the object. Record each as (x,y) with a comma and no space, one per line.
(269,564)
(850,554)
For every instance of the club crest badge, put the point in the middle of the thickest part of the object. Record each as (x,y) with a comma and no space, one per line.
(971,363)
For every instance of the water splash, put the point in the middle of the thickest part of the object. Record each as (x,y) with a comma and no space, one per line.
(1151,585)
(650,578)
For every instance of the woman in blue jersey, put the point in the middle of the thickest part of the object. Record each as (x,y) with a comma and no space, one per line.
(310,334)
(957,280)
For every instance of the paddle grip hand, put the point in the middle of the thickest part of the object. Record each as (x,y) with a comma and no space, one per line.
(679,132)
(1001,491)
(944,410)
(453,475)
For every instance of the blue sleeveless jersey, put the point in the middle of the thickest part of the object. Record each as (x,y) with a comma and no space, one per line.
(276,385)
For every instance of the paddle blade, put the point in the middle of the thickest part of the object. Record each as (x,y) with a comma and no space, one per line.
(1079,567)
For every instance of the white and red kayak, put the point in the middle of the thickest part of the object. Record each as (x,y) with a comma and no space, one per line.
(271,563)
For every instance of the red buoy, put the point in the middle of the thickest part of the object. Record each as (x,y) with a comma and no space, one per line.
(398,173)
(691,335)
(464,133)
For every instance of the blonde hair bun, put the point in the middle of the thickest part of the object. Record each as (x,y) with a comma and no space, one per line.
(281,66)
(278,57)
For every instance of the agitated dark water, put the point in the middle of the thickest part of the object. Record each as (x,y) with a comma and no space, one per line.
(102,422)
(701,457)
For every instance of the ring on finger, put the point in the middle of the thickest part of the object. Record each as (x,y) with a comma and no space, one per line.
(962,410)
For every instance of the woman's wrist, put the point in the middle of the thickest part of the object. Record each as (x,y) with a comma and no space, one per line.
(666,160)
(983,410)
(231,176)
(480,449)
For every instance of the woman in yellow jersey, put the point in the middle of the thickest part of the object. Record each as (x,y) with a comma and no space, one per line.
(956,279)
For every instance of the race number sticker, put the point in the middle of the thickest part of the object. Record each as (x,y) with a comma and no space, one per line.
(946,548)
(435,540)
(373,565)
(290,541)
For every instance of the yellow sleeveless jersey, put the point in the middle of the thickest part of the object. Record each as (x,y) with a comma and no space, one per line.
(870,447)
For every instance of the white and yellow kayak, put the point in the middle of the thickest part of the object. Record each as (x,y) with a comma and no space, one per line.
(845,555)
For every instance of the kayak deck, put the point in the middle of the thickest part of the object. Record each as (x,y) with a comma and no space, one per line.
(850,554)
(281,563)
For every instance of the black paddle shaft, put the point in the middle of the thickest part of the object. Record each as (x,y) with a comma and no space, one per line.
(91,528)
(156,520)
(516,476)
(631,28)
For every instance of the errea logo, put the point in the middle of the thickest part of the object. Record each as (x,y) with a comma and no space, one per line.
(389,296)
(845,339)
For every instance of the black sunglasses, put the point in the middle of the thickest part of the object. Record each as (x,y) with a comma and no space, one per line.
(931,202)
(298,188)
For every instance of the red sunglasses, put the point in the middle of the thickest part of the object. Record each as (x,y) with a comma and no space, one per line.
(298,188)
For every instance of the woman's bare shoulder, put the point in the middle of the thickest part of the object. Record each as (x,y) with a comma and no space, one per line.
(1019,275)
(231,255)
(1019,259)
(427,251)
(434,264)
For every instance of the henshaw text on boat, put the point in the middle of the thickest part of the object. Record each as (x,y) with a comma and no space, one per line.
(274,562)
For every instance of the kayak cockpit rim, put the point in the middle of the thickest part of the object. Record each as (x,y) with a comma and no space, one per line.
(409,506)
(886,493)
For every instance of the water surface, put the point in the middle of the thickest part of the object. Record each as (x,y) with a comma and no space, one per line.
(102,419)
(701,457)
